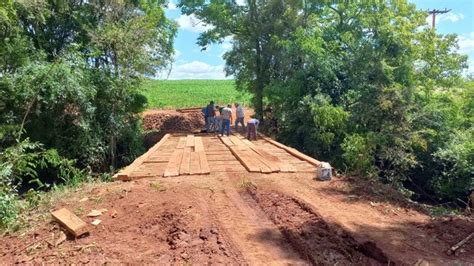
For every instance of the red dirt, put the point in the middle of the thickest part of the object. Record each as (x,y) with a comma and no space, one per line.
(172,121)
(150,229)
(216,219)
(311,236)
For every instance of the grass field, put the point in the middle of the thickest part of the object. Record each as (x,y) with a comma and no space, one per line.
(191,93)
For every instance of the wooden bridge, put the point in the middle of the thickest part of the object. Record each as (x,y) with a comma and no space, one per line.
(204,154)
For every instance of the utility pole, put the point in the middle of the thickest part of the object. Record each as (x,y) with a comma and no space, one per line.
(434,12)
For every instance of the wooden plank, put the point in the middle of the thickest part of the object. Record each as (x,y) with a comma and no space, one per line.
(277,164)
(273,162)
(248,164)
(195,168)
(203,162)
(70,221)
(293,151)
(172,169)
(227,157)
(254,158)
(181,143)
(226,152)
(228,168)
(198,146)
(125,173)
(226,141)
(190,141)
(184,168)
(236,140)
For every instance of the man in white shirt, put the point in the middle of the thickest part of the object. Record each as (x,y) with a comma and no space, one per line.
(226,115)
(252,126)
(239,113)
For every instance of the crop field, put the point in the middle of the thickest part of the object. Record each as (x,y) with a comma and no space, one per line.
(191,93)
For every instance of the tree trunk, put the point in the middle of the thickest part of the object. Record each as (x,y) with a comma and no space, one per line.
(259,83)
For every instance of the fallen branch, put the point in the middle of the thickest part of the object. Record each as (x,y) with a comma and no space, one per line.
(453,249)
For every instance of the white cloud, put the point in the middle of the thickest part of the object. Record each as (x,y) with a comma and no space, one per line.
(450,16)
(193,24)
(195,70)
(241,2)
(177,54)
(447,17)
(466,43)
(171,6)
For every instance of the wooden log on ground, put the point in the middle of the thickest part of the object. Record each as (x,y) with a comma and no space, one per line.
(189,110)
(453,249)
(70,222)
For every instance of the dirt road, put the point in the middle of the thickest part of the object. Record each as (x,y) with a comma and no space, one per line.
(232,216)
(238,219)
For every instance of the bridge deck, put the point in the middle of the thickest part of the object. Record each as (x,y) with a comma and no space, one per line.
(205,154)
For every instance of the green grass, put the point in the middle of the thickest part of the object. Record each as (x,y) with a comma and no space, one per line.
(191,93)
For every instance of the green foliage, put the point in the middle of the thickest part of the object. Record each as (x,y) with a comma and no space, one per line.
(359,154)
(366,85)
(191,93)
(456,161)
(70,87)
(9,209)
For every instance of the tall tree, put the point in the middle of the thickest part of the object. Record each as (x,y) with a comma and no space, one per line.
(253,29)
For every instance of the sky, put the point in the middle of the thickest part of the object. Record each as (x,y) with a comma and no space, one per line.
(192,63)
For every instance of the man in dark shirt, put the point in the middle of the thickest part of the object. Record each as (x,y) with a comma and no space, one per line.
(210,116)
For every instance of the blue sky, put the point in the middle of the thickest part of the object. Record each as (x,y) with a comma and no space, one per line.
(192,63)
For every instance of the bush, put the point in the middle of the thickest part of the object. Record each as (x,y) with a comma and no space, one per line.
(359,155)
(456,179)
(9,209)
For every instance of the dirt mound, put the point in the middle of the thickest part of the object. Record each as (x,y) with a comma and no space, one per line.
(313,238)
(173,121)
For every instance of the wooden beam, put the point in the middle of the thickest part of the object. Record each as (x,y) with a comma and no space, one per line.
(181,143)
(70,221)
(276,163)
(124,174)
(190,141)
(243,158)
(198,145)
(226,141)
(203,163)
(184,168)
(293,151)
(195,165)
(172,169)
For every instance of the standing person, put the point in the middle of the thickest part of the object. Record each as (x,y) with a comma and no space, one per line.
(218,119)
(226,115)
(239,113)
(252,126)
(210,116)
(204,113)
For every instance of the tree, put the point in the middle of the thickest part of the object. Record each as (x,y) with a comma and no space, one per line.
(254,29)
(348,81)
